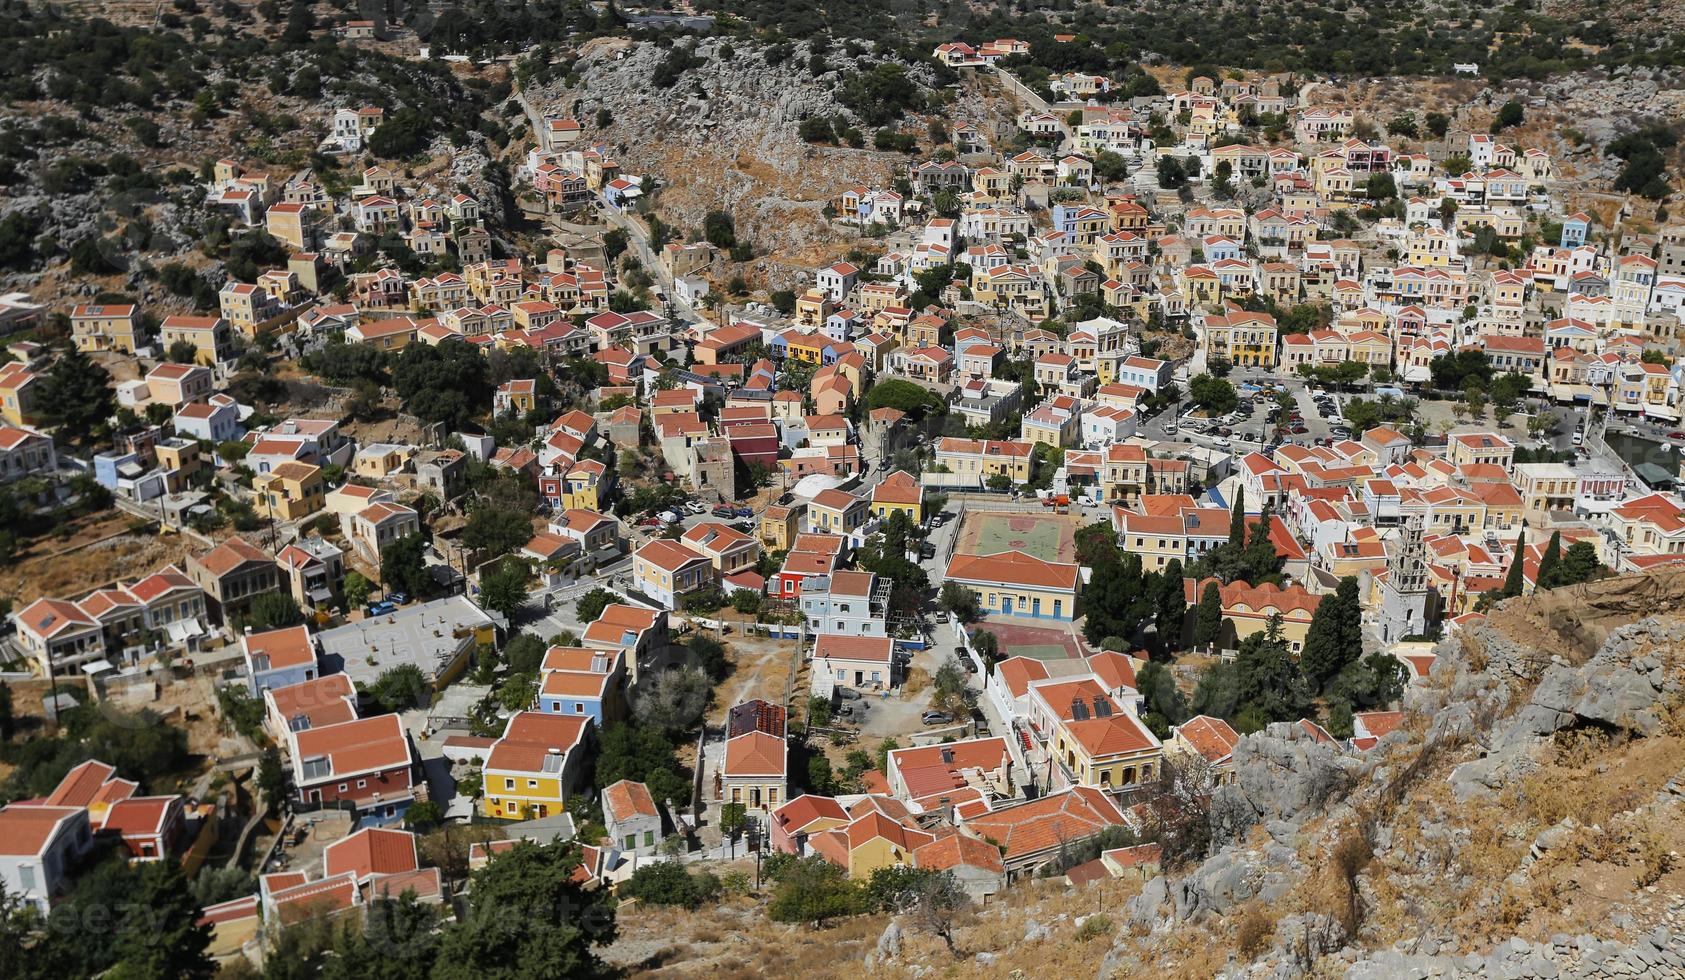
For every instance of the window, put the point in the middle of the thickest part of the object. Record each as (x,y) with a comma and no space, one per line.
(579,707)
(631,841)
(508,783)
(342,787)
(362,784)
(532,784)
(649,838)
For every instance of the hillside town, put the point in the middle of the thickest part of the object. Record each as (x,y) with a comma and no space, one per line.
(1123,427)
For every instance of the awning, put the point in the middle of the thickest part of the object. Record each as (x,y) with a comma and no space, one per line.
(321,595)
(183,630)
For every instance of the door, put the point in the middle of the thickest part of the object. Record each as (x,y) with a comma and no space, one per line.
(1006,605)
(1035,607)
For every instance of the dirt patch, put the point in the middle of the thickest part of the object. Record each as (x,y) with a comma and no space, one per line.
(1575,621)
(98,551)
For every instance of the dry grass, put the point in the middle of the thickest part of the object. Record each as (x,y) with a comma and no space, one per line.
(1253,930)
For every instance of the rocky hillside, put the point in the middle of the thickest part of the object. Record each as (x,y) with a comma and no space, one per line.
(1524,821)
(723,136)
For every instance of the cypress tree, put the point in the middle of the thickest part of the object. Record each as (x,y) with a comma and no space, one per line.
(1335,636)
(1237,521)
(1208,620)
(1550,566)
(1513,580)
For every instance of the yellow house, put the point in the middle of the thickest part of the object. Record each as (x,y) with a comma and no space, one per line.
(983,458)
(181,457)
(899,492)
(289,491)
(780,524)
(380,459)
(1201,286)
(586,485)
(1466,448)
(1157,538)
(871,841)
(98,327)
(1095,739)
(531,771)
(1247,610)
(210,336)
(1241,337)
(666,570)
(1013,583)
(809,347)
(813,308)
(19,390)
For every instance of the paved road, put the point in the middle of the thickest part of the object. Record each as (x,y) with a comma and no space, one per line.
(637,238)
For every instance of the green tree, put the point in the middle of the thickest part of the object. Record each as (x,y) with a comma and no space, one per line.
(76,396)
(592,604)
(273,611)
(813,890)
(271,778)
(505,588)
(1237,520)
(959,601)
(1514,580)
(1171,607)
(1510,115)
(1165,703)
(400,688)
(915,400)
(1372,682)
(397,940)
(403,566)
(1335,635)
(674,702)
(529,915)
(1580,564)
(1208,618)
(668,883)
(497,530)
(642,754)
(357,588)
(1270,685)
(1550,564)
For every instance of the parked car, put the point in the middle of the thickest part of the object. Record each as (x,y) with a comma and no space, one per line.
(725,510)
(848,693)
(1298,430)
(381,608)
(745,512)
(398,598)
(936,718)
(927,551)
(650,522)
(693,508)
(969,665)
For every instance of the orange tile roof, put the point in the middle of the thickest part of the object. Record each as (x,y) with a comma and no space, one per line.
(290,646)
(1210,737)
(626,799)
(1037,825)
(756,754)
(528,738)
(81,784)
(1014,568)
(26,828)
(371,851)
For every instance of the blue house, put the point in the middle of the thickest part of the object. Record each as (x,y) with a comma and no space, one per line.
(584,683)
(1575,229)
(279,658)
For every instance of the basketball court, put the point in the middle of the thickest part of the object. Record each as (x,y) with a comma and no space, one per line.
(1038,642)
(1050,537)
